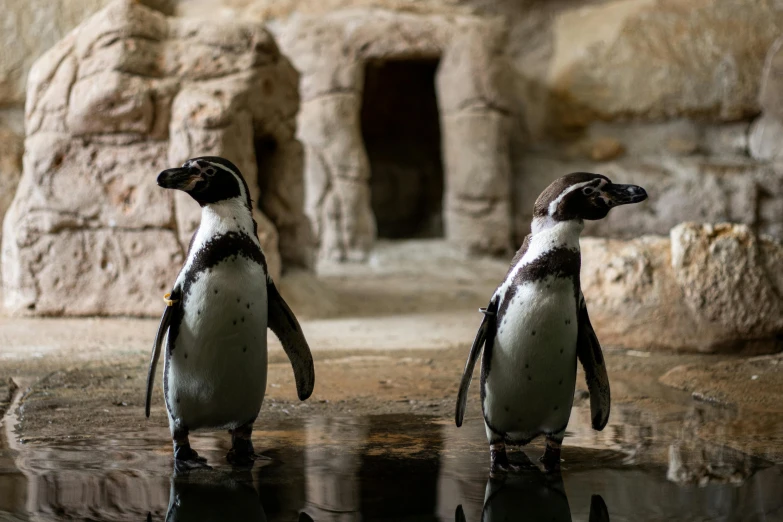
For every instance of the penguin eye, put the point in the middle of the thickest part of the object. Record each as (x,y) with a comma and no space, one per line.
(587,191)
(209,171)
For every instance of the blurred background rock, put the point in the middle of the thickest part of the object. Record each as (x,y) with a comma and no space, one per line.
(431,120)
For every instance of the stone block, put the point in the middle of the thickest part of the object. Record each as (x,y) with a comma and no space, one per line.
(706,288)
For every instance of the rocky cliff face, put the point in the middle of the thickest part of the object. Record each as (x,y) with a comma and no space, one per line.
(710,288)
(129,93)
(679,96)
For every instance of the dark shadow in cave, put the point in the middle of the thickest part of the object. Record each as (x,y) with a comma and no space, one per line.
(401,132)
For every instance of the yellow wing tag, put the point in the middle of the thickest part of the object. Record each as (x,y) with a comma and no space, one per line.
(168,301)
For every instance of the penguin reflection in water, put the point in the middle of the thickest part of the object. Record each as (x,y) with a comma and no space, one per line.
(216,318)
(211,496)
(536,326)
(531,495)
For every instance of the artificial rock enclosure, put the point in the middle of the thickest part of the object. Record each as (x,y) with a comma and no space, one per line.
(360,120)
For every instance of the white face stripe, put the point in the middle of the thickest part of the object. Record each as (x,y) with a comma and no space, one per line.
(236,177)
(552,209)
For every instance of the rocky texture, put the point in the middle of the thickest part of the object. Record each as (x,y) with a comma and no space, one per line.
(472,86)
(770,95)
(677,57)
(127,94)
(766,135)
(11,147)
(766,138)
(30,27)
(709,288)
(692,188)
(755,382)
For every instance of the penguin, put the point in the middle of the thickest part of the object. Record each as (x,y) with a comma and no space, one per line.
(213,496)
(531,495)
(536,326)
(216,317)
(207,495)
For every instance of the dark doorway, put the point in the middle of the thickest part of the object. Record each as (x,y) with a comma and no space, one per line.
(401,132)
(266,149)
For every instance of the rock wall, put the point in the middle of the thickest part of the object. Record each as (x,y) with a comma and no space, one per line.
(30,28)
(664,93)
(667,92)
(129,93)
(706,288)
(693,187)
(472,88)
(660,92)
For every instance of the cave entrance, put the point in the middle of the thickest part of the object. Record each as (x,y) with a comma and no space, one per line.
(401,132)
(267,162)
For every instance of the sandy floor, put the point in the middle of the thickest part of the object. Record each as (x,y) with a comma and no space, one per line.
(389,337)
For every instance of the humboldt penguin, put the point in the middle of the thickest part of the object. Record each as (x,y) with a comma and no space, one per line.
(216,317)
(531,495)
(536,326)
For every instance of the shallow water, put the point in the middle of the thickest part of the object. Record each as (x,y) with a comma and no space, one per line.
(403,468)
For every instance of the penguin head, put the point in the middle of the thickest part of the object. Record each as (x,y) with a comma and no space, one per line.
(583,195)
(207,179)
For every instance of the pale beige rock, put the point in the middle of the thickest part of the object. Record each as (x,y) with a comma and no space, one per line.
(731,279)
(477,210)
(90,272)
(473,83)
(676,57)
(605,149)
(110,102)
(676,137)
(708,288)
(31,27)
(11,148)
(766,138)
(771,92)
(729,139)
(127,94)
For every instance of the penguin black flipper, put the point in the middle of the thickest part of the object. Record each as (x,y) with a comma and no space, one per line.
(285,326)
(488,324)
(598,510)
(165,322)
(588,350)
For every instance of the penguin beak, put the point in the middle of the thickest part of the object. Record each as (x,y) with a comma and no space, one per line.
(179,178)
(614,194)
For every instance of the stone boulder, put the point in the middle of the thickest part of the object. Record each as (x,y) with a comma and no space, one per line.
(128,93)
(706,288)
(30,27)
(657,59)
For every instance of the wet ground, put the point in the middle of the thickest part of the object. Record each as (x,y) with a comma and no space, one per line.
(691,437)
(381,467)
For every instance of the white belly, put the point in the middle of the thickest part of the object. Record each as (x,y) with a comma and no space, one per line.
(530,386)
(217,368)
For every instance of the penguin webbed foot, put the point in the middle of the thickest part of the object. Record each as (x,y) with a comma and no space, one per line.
(243,458)
(551,456)
(242,452)
(184,466)
(186,459)
(499,463)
